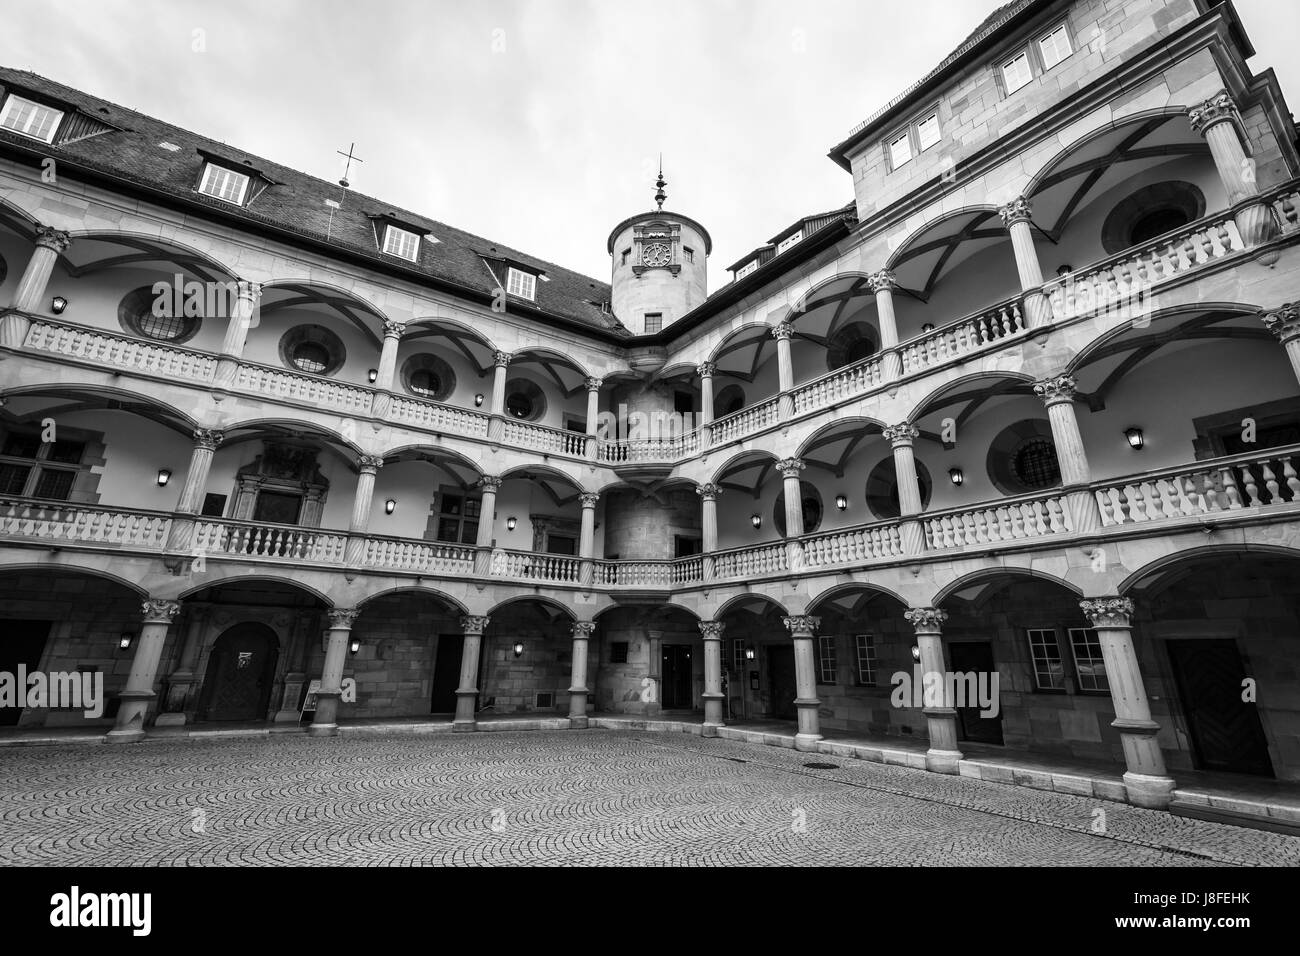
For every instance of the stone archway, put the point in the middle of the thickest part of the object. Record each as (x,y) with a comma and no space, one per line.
(240,673)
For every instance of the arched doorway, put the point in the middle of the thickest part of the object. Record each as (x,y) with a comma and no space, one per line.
(241,670)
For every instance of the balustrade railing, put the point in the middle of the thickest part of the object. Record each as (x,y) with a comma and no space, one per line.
(842,384)
(556,441)
(1286,205)
(754,561)
(650,574)
(438,417)
(632,451)
(967,335)
(556,568)
(309,389)
(103,348)
(269,541)
(746,421)
(852,545)
(63,521)
(1011,520)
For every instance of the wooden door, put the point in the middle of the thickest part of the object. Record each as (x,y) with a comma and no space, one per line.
(677,676)
(783,686)
(446,673)
(1226,731)
(241,670)
(975,657)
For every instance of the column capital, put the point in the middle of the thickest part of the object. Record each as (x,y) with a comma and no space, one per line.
(901,435)
(474,624)
(582,630)
(371,463)
(341,618)
(1056,389)
(709,492)
(593,384)
(47,237)
(712,630)
(1284,321)
(801,624)
(706,369)
(1218,108)
(393,330)
(1018,210)
(490,483)
(500,359)
(882,281)
(589,498)
(783,332)
(926,620)
(209,438)
(790,467)
(1112,612)
(251,291)
(158,611)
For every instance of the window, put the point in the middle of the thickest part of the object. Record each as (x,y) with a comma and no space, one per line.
(214,505)
(310,357)
(1055,47)
(1088,662)
(522,284)
(1016,72)
(865,645)
(812,509)
(30,119)
(428,376)
(458,516)
(789,241)
(685,546)
(399,242)
(1045,652)
(141,313)
(900,150)
(738,653)
(618,652)
(313,349)
(625,256)
(224,184)
(826,660)
(1034,464)
(654,321)
(36,469)
(747,269)
(689,254)
(927,132)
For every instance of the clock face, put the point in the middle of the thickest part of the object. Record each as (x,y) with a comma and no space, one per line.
(655,254)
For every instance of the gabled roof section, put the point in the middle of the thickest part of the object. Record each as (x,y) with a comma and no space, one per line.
(148,154)
(808,224)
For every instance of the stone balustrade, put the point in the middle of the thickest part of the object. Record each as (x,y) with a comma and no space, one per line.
(287,542)
(746,421)
(543,438)
(840,385)
(1012,520)
(968,335)
(63,521)
(421,557)
(852,545)
(116,351)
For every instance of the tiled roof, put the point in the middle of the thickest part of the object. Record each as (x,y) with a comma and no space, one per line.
(295,201)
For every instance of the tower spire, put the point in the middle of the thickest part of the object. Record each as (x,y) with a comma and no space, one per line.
(660,183)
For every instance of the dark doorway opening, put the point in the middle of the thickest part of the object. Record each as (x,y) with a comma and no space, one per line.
(782,681)
(241,670)
(976,657)
(1226,731)
(677,678)
(23,642)
(446,673)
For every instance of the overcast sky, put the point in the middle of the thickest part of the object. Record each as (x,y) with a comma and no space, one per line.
(537,123)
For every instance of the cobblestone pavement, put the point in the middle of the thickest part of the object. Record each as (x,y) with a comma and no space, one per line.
(544,798)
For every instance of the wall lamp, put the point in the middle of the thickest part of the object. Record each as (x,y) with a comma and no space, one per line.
(478,400)
(511,522)
(354,646)
(750,653)
(928,327)
(125,641)
(841,502)
(164,476)
(1064,270)
(1135,438)
(756,520)
(916,653)
(390,506)
(58,304)
(519,648)
(957,475)
(373,375)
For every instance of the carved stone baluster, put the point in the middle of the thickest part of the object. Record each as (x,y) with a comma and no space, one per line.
(981,529)
(1054,518)
(1292,482)
(1230,486)
(1270,482)
(1252,490)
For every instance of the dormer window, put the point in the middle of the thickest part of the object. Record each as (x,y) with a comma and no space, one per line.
(789,241)
(747,268)
(400,242)
(1054,47)
(1016,72)
(522,284)
(224,184)
(30,119)
(927,131)
(900,150)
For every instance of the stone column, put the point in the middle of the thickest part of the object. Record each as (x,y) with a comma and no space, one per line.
(711,631)
(790,468)
(802,627)
(386,373)
(497,407)
(467,691)
(1017,216)
(882,284)
(900,438)
(1219,121)
(182,680)
(706,372)
(206,443)
(709,494)
(1058,394)
(295,676)
(325,721)
(940,715)
(138,693)
(487,514)
(784,369)
(587,537)
(1148,783)
(367,468)
(1284,322)
(593,416)
(582,631)
(241,319)
(30,293)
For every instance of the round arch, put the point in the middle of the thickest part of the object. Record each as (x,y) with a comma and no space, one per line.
(77,569)
(236,579)
(861,421)
(1085,355)
(979,211)
(990,574)
(752,456)
(456,606)
(720,349)
(112,398)
(1208,552)
(269,424)
(838,590)
(144,243)
(533,599)
(733,604)
(923,408)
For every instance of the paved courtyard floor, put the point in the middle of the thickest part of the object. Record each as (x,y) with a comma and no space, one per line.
(549,798)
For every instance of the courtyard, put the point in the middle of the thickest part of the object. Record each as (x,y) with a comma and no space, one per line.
(596,797)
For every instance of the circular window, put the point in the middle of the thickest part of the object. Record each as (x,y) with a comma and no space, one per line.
(882,489)
(428,376)
(1150,212)
(313,349)
(850,344)
(812,509)
(730,399)
(1022,458)
(524,400)
(151,316)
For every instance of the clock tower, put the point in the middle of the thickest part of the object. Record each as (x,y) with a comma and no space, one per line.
(659,267)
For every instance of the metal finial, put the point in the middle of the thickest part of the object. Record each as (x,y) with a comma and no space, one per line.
(660,183)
